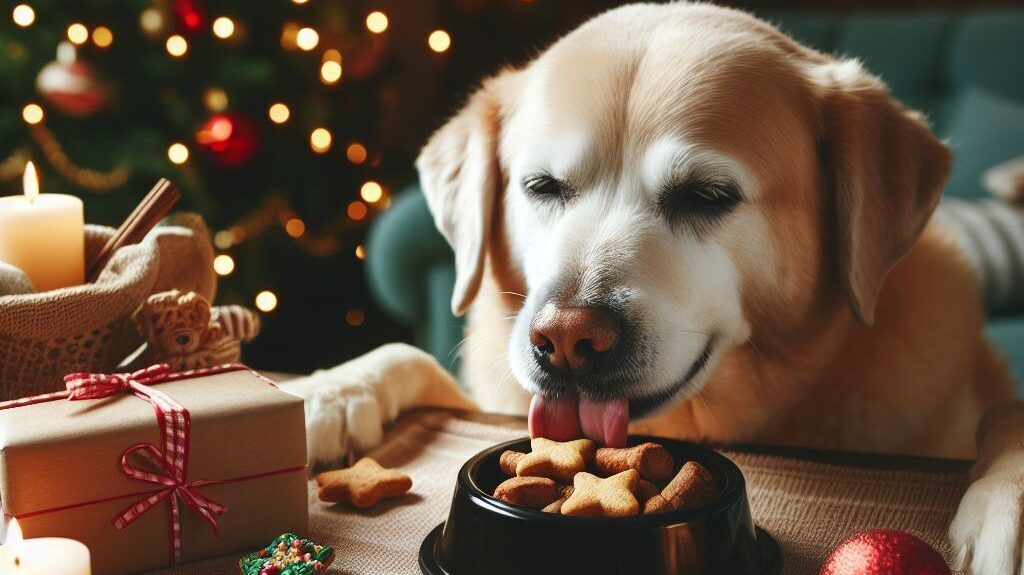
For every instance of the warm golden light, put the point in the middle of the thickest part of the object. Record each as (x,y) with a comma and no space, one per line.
(307,39)
(266,301)
(332,55)
(376,22)
(14,536)
(224,239)
(177,153)
(151,20)
(102,36)
(215,99)
(356,153)
(279,113)
(439,41)
(30,182)
(32,113)
(330,72)
(177,46)
(360,252)
(371,192)
(357,210)
(320,140)
(23,15)
(295,227)
(355,317)
(223,264)
(300,1)
(223,27)
(78,33)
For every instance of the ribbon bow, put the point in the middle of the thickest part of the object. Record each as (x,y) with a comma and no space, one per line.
(172,460)
(206,508)
(102,385)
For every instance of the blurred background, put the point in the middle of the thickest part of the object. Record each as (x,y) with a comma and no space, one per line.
(292,127)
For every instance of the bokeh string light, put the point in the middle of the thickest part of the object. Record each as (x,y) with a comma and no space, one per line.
(325,239)
(23,15)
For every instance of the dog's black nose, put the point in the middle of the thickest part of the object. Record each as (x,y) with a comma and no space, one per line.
(570,339)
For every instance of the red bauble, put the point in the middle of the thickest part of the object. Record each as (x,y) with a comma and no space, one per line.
(231,139)
(191,14)
(71,85)
(884,552)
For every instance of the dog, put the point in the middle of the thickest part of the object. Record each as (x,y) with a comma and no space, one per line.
(679,221)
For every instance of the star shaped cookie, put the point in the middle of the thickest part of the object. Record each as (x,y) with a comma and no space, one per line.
(610,497)
(362,485)
(556,459)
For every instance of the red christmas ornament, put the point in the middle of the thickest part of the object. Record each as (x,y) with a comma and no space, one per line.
(71,85)
(191,14)
(231,139)
(884,552)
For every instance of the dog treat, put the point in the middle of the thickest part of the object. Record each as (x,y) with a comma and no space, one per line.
(555,459)
(555,506)
(692,486)
(363,484)
(653,461)
(288,555)
(610,497)
(534,492)
(509,460)
(645,490)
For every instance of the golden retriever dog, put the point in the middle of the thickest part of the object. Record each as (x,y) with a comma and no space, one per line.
(679,221)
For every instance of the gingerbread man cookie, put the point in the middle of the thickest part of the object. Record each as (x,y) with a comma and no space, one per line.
(363,484)
(179,330)
(611,497)
(556,459)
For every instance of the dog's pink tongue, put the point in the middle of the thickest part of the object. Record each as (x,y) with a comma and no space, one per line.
(605,421)
(555,419)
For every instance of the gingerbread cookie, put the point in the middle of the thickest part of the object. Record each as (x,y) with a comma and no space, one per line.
(556,459)
(611,497)
(180,331)
(363,484)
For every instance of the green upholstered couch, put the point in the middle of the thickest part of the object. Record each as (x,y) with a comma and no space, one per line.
(965,69)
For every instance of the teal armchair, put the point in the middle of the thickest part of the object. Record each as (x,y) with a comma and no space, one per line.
(962,68)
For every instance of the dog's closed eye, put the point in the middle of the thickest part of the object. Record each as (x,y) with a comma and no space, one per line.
(545,187)
(698,202)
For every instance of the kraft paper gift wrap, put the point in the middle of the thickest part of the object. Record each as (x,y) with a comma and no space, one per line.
(61,470)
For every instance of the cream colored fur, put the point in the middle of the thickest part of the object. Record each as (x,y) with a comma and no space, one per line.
(842,319)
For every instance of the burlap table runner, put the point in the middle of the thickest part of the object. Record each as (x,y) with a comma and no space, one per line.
(808,506)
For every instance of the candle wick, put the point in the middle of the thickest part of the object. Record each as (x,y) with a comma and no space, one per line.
(17,561)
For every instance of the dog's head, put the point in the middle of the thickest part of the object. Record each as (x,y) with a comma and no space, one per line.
(667,182)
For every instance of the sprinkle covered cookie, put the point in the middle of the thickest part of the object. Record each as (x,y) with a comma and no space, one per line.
(363,484)
(288,555)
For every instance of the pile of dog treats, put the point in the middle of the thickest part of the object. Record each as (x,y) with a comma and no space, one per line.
(577,478)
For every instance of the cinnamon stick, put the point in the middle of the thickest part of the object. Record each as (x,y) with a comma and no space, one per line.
(153,208)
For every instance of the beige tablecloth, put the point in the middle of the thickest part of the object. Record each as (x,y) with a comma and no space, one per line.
(806,504)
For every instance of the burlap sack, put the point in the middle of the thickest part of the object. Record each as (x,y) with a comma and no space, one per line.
(44,336)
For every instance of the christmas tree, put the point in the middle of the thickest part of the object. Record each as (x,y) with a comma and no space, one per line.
(288,125)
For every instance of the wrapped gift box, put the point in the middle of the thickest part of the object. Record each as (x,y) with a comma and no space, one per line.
(228,462)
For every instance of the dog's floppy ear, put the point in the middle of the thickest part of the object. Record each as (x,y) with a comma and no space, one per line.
(886,169)
(461,179)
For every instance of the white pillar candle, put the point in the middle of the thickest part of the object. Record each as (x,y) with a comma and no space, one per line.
(43,555)
(43,235)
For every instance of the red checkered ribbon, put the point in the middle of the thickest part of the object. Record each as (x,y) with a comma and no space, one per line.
(171,461)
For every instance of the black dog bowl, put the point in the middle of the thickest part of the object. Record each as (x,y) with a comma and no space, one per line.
(485,536)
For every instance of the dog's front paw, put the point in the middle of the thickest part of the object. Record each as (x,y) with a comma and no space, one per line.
(986,530)
(341,422)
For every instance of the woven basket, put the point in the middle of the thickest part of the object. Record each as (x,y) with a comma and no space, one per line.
(45,335)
